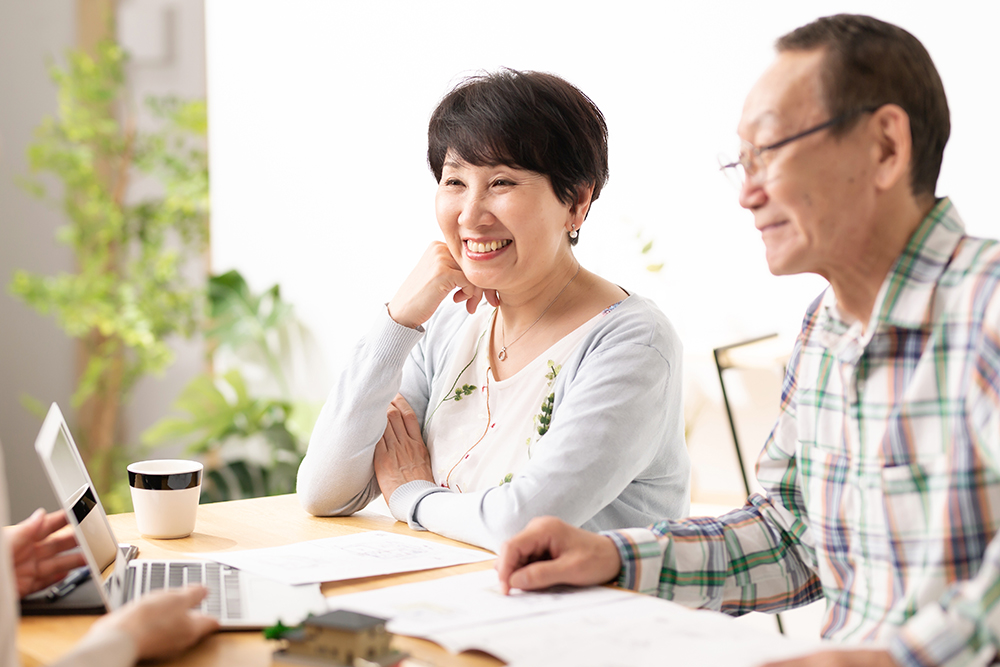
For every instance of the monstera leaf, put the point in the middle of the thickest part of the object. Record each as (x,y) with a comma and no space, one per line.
(246,441)
(215,408)
(247,325)
(240,417)
(240,317)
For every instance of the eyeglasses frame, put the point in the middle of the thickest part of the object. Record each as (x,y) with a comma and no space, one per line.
(795,137)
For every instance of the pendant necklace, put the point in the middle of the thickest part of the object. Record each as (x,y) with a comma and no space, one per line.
(502,354)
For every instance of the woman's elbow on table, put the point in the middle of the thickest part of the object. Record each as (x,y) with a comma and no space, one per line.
(317,505)
(311,504)
(324,495)
(314,496)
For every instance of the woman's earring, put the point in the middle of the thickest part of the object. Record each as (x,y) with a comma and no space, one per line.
(573,233)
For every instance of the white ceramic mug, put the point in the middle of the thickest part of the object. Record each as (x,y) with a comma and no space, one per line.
(165,494)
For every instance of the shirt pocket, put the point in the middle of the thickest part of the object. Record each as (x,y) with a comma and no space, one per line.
(913,497)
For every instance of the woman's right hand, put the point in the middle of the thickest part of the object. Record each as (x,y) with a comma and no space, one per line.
(435,276)
(163,623)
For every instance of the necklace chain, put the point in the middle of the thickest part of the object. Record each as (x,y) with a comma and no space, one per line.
(502,354)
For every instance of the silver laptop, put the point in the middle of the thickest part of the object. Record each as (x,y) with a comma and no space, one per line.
(240,600)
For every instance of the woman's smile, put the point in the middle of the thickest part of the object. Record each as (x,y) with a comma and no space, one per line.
(504,225)
(485,249)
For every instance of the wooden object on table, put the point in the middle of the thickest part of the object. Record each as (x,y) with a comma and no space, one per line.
(252,524)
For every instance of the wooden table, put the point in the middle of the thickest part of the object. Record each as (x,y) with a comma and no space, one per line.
(250,524)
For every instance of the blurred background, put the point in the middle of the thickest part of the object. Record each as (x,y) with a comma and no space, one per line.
(205,318)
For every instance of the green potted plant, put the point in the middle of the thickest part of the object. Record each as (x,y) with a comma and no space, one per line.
(243,417)
(127,295)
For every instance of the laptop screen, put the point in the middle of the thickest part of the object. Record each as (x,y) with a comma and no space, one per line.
(72,485)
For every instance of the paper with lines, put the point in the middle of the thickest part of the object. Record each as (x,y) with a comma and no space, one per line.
(366,554)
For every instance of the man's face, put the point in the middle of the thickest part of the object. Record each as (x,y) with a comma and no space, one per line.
(815,203)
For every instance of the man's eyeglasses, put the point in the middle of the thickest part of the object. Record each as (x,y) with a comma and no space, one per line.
(752,162)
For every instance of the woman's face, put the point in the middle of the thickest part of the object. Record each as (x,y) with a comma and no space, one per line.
(504,226)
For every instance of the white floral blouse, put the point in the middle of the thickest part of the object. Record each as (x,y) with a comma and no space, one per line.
(481,431)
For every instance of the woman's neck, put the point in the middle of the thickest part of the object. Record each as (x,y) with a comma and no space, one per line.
(520,309)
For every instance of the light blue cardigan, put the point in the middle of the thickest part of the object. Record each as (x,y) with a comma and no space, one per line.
(614,454)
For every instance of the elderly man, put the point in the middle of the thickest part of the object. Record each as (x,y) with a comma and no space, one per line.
(882,474)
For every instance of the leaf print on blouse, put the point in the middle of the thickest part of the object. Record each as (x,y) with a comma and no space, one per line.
(464,390)
(544,416)
(506,479)
(456,393)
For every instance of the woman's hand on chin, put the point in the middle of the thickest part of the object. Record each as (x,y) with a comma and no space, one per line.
(435,276)
(400,455)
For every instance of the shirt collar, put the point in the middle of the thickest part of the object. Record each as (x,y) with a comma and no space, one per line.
(904,300)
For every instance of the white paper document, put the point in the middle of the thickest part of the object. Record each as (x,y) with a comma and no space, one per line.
(429,608)
(588,627)
(641,630)
(366,554)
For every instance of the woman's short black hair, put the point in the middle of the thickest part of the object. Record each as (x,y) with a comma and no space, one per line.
(527,120)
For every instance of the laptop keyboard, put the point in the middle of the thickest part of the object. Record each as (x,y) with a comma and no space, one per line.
(223,583)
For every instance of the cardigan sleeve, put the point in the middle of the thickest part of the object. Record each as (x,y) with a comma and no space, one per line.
(337,475)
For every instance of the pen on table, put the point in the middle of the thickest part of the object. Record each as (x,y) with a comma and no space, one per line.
(67,585)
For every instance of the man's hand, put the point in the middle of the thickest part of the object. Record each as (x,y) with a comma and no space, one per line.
(162,623)
(37,544)
(852,658)
(401,455)
(435,276)
(550,551)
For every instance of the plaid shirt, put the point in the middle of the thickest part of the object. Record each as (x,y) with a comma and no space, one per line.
(881,476)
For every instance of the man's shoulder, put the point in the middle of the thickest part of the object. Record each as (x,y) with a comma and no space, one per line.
(974,258)
(971,281)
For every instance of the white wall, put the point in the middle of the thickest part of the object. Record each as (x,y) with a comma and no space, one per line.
(35,357)
(318,126)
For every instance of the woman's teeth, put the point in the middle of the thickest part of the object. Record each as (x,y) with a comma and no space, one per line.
(486,247)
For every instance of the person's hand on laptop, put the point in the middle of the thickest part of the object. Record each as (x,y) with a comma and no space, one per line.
(38,547)
(549,551)
(163,623)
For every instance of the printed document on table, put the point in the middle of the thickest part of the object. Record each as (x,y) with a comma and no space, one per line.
(639,630)
(427,608)
(584,627)
(366,554)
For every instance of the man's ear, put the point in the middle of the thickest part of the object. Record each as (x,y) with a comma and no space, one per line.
(893,147)
(581,206)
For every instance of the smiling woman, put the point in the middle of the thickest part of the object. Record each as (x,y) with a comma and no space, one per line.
(561,395)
